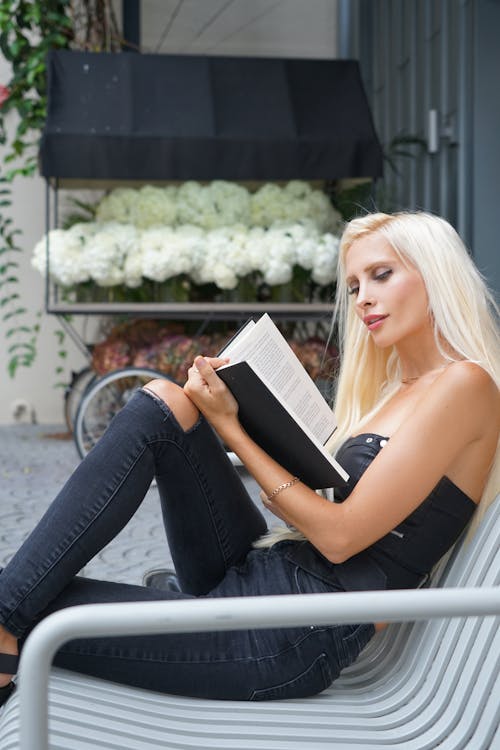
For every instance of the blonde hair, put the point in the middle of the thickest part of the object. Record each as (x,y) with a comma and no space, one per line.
(463,310)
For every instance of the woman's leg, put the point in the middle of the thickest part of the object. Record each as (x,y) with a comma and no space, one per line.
(209,518)
(240,665)
(104,492)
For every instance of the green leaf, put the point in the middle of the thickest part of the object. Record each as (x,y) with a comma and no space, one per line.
(19,329)
(15,347)
(9,264)
(12,314)
(6,300)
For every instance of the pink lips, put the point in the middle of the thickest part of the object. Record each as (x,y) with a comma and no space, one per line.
(372,322)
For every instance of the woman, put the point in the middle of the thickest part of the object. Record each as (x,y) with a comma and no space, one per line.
(419,411)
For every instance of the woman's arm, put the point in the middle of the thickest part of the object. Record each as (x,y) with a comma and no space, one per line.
(212,397)
(453,432)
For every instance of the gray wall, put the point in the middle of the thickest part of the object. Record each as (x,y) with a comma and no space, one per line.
(485,161)
(435,61)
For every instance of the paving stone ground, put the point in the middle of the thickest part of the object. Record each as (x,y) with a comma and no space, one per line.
(34,464)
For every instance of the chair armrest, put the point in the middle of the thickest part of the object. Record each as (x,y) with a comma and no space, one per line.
(232,613)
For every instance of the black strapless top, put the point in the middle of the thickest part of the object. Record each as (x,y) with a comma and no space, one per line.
(404,557)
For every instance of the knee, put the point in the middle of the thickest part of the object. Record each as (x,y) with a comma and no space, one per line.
(173,395)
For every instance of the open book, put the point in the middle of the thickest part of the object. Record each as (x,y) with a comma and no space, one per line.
(279,405)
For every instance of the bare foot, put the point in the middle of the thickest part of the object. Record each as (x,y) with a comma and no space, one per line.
(8,645)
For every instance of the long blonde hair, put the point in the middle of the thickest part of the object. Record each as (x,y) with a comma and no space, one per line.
(464,314)
(463,310)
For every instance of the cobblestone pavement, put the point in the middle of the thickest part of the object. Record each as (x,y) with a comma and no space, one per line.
(34,463)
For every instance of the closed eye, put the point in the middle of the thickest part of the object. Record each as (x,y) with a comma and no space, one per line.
(377,275)
(383,275)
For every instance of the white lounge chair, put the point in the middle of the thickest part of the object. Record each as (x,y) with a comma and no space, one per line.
(432,683)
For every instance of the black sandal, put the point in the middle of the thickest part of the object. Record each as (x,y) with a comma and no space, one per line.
(8,665)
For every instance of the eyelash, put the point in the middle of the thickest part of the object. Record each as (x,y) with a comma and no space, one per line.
(381,277)
(384,275)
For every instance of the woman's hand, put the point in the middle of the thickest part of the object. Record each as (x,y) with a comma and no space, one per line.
(208,392)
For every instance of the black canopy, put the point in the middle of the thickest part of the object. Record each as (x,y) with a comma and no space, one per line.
(178,117)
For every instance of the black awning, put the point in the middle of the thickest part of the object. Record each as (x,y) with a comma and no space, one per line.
(178,117)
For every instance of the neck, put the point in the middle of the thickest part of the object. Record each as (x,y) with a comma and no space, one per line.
(408,379)
(424,359)
(414,378)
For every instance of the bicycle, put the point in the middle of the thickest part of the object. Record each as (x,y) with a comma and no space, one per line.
(100,398)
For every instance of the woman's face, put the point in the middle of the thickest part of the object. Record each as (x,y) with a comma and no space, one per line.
(390,297)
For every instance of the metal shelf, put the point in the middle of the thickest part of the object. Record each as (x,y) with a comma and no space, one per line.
(195,310)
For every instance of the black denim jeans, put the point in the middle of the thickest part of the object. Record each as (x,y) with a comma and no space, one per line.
(210,523)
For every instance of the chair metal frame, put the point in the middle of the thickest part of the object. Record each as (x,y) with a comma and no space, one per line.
(432,681)
(223,614)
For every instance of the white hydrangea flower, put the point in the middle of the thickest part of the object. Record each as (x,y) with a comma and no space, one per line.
(66,258)
(154,206)
(229,243)
(191,203)
(265,205)
(319,208)
(224,276)
(165,253)
(277,272)
(83,230)
(279,256)
(306,252)
(296,202)
(297,189)
(106,252)
(117,206)
(132,269)
(210,266)
(254,247)
(218,204)
(112,253)
(230,202)
(190,232)
(325,260)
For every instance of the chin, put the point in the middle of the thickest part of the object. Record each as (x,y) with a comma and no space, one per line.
(382,341)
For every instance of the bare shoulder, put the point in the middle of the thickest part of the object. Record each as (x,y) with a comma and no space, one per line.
(466,376)
(468,386)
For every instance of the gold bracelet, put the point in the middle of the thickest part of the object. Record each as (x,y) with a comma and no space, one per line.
(282,487)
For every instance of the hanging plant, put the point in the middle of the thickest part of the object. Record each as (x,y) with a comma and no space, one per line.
(28,30)
(21,338)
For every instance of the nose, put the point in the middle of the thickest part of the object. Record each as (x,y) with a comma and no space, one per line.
(364,298)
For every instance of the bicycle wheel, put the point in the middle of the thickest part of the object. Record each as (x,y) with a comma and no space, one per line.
(103,400)
(74,392)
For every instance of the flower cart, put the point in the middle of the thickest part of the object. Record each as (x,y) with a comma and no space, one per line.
(209,175)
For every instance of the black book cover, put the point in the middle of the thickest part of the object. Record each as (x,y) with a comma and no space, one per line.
(274,429)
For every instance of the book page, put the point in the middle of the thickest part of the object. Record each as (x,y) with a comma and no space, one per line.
(268,353)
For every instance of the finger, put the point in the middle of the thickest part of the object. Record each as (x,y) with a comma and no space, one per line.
(193,372)
(216,362)
(205,369)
